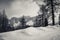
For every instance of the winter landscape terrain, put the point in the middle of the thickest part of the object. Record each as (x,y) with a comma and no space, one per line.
(33,33)
(29,19)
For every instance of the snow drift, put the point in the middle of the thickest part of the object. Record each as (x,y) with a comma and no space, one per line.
(32,33)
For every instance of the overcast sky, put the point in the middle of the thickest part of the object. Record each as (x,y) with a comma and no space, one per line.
(18,8)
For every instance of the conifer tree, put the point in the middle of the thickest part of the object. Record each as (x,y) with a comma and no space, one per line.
(46,22)
(23,22)
(59,19)
(4,21)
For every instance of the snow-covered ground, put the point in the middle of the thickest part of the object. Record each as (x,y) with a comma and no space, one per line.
(33,33)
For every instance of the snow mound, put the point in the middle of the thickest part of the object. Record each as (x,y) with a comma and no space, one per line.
(31,31)
(54,27)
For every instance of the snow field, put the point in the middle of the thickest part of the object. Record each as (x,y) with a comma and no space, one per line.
(33,33)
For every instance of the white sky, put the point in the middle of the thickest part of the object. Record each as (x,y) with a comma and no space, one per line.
(18,8)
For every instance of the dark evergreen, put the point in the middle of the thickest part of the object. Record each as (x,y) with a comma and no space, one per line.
(44,14)
(23,22)
(4,22)
(38,21)
(59,19)
(46,22)
(4,26)
(0,22)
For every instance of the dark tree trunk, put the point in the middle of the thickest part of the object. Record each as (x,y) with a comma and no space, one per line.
(53,20)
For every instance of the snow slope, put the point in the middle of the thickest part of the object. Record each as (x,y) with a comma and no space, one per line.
(32,33)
